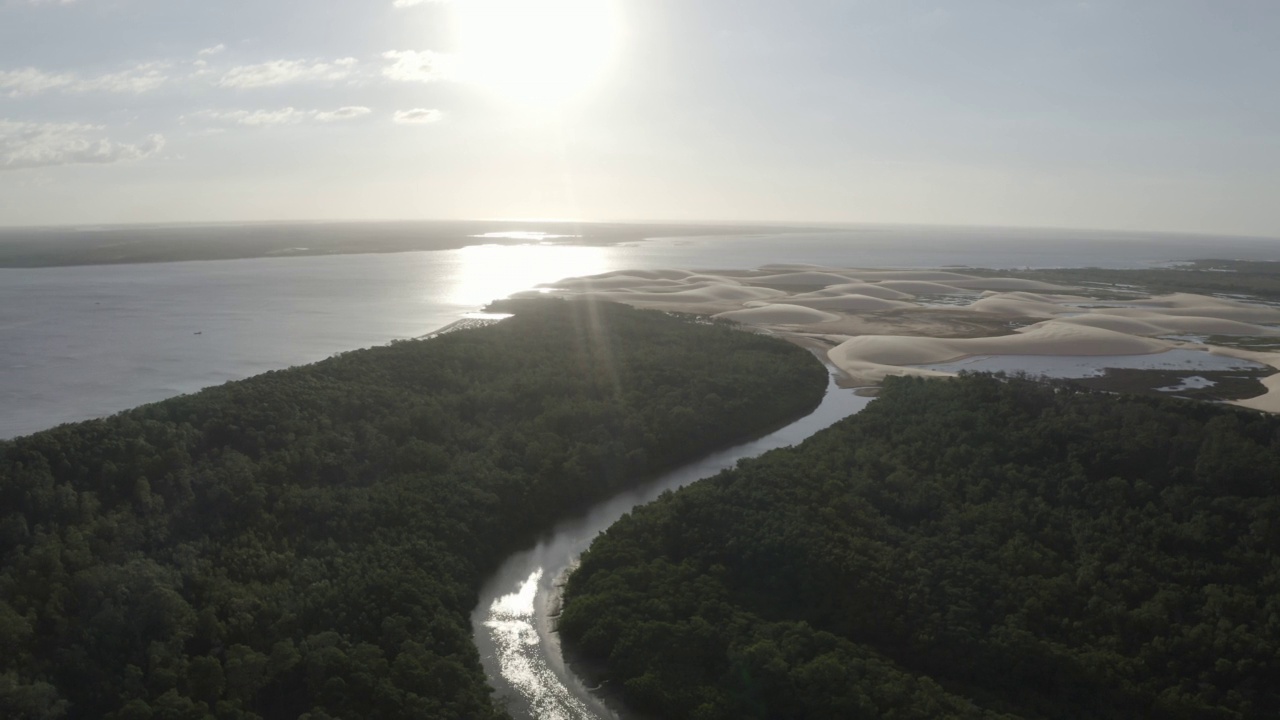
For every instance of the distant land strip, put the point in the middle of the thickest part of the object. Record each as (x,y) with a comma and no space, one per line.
(128,244)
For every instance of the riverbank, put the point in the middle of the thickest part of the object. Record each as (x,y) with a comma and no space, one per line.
(518,644)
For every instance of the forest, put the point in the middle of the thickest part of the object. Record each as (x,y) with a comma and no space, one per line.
(979,547)
(309,543)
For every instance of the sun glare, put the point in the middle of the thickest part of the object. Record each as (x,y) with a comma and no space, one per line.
(484,273)
(535,51)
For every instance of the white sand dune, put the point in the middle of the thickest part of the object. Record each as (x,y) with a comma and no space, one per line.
(778,314)
(701,277)
(852,303)
(775,268)
(1268,401)
(1244,314)
(707,294)
(588,284)
(859,355)
(944,276)
(797,278)
(856,288)
(1005,284)
(923,287)
(1012,305)
(1160,324)
(1116,323)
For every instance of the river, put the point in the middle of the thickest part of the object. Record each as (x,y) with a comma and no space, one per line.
(513,622)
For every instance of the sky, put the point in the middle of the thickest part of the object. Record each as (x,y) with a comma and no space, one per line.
(1125,114)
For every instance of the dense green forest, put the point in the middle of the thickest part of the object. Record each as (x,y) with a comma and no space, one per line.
(977,548)
(309,542)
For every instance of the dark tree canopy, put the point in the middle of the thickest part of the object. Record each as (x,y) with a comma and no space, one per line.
(979,547)
(309,542)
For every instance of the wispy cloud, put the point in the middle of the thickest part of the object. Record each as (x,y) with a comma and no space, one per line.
(140,79)
(34,81)
(350,112)
(31,81)
(214,50)
(283,116)
(415,65)
(280,72)
(417,116)
(30,145)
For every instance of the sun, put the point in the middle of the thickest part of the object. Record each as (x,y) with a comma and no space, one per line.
(535,51)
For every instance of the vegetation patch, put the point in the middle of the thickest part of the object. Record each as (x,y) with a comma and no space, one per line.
(1236,278)
(309,542)
(1221,384)
(976,547)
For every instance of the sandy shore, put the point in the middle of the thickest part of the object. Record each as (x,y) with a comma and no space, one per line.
(877,323)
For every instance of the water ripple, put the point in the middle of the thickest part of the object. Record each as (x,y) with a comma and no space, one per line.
(511,624)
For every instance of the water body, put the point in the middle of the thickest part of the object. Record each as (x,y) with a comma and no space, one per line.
(512,623)
(83,342)
(1083,366)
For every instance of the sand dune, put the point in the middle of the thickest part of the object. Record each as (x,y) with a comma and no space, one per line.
(1005,284)
(852,303)
(1245,314)
(614,281)
(778,314)
(879,339)
(1009,304)
(1158,324)
(704,294)
(1046,338)
(856,288)
(808,279)
(930,275)
(923,287)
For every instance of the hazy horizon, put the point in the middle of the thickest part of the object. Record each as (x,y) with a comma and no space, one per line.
(1130,116)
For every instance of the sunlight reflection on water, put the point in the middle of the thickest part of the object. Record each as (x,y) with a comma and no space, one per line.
(511,621)
(486,272)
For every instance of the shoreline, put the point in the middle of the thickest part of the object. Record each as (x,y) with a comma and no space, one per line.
(34,248)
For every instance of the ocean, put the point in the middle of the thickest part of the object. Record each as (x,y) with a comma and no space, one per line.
(88,341)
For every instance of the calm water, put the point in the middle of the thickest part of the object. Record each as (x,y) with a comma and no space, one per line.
(1082,366)
(84,342)
(512,624)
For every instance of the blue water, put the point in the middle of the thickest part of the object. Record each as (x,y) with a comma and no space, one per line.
(84,342)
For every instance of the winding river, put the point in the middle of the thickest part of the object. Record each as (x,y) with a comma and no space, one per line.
(513,622)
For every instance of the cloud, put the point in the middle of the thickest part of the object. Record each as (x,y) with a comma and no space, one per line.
(33,81)
(350,112)
(30,145)
(410,3)
(30,81)
(280,72)
(140,79)
(417,116)
(283,116)
(415,66)
(212,50)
